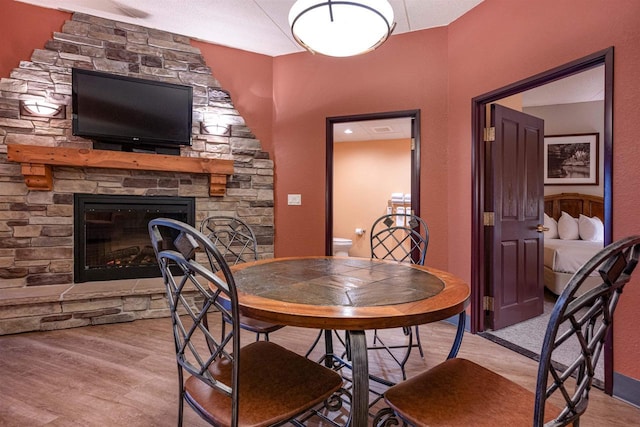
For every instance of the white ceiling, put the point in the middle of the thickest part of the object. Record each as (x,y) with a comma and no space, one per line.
(372,130)
(259,26)
(582,87)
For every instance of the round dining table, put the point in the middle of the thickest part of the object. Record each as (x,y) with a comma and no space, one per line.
(352,294)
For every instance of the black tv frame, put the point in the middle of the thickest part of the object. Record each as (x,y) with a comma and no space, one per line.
(128,92)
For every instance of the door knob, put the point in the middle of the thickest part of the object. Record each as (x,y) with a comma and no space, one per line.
(540,228)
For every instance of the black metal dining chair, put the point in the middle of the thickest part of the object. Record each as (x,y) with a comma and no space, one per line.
(261,384)
(402,238)
(237,243)
(461,392)
(232,236)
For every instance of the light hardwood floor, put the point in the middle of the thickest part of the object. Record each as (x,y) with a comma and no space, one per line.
(125,374)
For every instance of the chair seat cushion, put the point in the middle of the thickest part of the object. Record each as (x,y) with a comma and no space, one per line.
(459,392)
(268,372)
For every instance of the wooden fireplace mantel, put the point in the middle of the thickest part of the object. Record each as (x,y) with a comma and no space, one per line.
(37,161)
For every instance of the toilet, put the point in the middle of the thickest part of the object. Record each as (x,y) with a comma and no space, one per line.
(341,246)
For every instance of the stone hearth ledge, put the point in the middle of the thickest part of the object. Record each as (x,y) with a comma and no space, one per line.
(79,291)
(43,308)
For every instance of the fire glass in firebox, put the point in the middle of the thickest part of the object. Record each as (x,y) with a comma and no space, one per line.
(112,241)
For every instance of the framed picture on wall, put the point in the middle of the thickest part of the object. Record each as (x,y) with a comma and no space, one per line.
(571,159)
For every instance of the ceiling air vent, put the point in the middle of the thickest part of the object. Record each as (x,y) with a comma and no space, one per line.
(382,129)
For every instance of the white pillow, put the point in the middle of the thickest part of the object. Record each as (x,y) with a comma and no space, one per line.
(568,227)
(552,225)
(591,229)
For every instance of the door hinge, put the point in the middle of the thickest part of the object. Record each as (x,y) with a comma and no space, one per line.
(489,134)
(413,144)
(489,219)
(487,303)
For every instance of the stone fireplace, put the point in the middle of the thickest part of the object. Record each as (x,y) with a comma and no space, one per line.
(41,287)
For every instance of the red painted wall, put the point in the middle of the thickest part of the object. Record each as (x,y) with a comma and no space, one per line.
(500,42)
(24,28)
(408,72)
(249,78)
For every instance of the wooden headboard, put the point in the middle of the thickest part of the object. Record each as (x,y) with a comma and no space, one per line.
(574,204)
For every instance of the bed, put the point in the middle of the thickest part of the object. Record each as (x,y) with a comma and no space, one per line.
(562,257)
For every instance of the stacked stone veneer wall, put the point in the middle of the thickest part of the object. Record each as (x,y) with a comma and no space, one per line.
(36,227)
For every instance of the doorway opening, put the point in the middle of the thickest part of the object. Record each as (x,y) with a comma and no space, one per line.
(350,179)
(480,286)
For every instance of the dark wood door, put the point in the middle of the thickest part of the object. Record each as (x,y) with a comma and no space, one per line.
(515,192)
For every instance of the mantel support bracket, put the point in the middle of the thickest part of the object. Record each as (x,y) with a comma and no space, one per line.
(37,176)
(217,185)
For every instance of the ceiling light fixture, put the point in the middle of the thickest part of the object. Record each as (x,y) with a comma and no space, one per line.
(341,28)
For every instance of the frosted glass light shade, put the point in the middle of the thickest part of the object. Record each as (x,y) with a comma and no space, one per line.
(39,108)
(341,28)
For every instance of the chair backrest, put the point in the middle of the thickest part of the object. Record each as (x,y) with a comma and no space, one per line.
(233,238)
(400,237)
(189,262)
(587,319)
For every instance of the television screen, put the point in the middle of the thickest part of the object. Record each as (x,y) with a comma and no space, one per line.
(127,110)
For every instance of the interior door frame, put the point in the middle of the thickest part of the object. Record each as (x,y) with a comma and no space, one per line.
(478,249)
(414,115)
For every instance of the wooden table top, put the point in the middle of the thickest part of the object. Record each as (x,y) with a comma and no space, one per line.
(347,293)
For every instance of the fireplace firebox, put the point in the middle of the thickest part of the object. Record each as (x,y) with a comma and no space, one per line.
(111,240)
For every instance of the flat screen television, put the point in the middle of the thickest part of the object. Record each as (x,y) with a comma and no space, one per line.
(131,112)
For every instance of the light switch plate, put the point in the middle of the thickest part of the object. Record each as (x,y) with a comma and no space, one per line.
(294,199)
